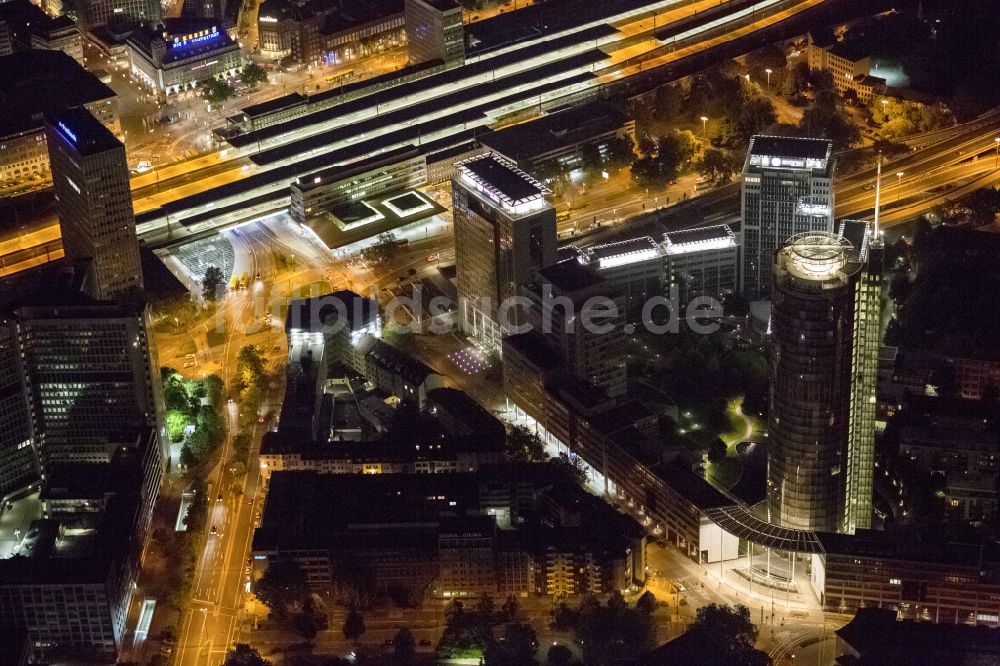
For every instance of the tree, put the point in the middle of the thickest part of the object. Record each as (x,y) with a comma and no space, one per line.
(729,632)
(216,91)
(212,284)
(824,119)
(517,648)
(672,157)
(573,468)
(253,75)
(717,450)
(559,655)
(404,646)
(306,626)
(244,655)
(282,586)
(619,153)
(382,250)
(772,58)
(796,80)
(715,165)
(510,607)
(354,626)
(753,114)
(667,104)
(591,162)
(176,422)
(524,445)
(646,603)
(613,633)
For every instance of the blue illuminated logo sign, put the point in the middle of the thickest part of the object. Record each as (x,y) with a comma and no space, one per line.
(202,36)
(67,131)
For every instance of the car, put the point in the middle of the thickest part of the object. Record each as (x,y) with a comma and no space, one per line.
(412,271)
(214,530)
(260,419)
(276,348)
(219,498)
(388,642)
(189,364)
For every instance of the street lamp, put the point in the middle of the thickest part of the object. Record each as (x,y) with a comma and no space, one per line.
(885,113)
(768,79)
(704,125)
(899,184)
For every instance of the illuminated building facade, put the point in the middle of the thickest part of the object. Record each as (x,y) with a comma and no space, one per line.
(434,31)
(824,355)
(96,13)
(505,231)
(635,267)
(91,182)
(701,262)
(87,375)
(787,189)
(172,58)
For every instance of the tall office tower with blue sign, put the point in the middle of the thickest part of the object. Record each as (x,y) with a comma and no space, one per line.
(91,181)
(787,190)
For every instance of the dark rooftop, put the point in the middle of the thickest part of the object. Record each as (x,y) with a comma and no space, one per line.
(790,146)
(311,509)
(853,51)
(313,314)
(83,132)
(507,179)
(399,362)
(880,639)
(569,276)
(36,82)
(270,106)
(532,346)
(464,409)
(553,131)
(442,5)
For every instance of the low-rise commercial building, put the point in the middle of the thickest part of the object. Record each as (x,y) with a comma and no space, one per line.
(847,62)
(559,139)
(36,82)
(327,191)
(172,58)
(701,262)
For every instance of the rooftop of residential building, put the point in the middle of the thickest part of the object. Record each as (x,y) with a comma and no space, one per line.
(36,82)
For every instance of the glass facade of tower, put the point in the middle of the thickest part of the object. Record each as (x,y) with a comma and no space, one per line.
(860,454)
(812,322)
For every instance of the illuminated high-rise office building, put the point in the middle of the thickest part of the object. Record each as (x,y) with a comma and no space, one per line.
(824,353)
(505,231)
(787,189)
(91,181)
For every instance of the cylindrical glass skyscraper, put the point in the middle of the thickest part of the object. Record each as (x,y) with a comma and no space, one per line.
(812,328)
